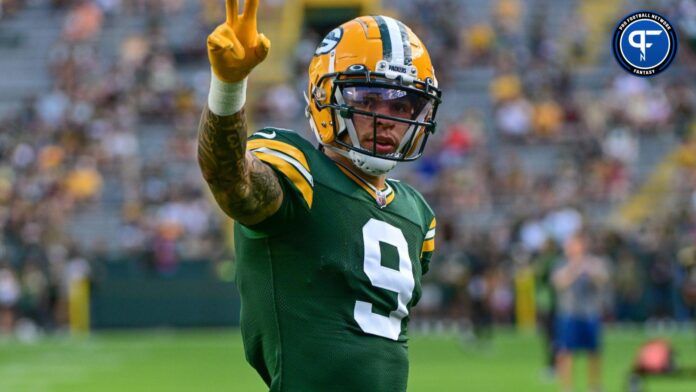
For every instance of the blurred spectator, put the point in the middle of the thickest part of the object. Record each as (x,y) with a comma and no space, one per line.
(547,119)
(280,104)
(461,138)
(533,235)
(505,87)
(507,14)
(563,223)
(479,40)
(164,255)
(502,296)
(479,290)
(628,283)
(34,302)
(514,119)
(687,257)
(621,145)
(83,23)
(84,182)
(9,295)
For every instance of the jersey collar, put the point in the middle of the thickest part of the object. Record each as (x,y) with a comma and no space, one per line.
(383,197)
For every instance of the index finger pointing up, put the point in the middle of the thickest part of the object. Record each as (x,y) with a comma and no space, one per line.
(250,8)
(231,9)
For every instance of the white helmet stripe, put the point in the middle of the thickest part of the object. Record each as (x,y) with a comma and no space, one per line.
(384,36)
(397,43)
(408,57)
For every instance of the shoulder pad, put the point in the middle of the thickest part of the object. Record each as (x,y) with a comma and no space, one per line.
(285,152)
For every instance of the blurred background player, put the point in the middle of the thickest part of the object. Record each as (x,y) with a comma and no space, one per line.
(544,264)
(581,282)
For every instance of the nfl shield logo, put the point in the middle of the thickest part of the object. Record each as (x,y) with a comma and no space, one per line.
(381,199)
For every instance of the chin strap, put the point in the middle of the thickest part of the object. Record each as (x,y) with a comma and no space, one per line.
(366,163)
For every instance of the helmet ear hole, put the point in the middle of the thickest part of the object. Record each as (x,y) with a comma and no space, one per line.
(319,94)
(357,68)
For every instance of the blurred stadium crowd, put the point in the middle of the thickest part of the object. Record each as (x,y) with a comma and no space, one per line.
(538,138)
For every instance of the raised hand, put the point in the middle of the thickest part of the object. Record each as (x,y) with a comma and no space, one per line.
(235,47)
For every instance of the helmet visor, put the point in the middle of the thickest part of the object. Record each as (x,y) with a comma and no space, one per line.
(392,102)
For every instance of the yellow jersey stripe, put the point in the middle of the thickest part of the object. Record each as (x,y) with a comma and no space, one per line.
(433,224)
(428,246)
(291,173)
(288,159)
(354,178)
(390,197)
(277,145)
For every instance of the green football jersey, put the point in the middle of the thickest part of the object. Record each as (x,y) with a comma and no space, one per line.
(327,282)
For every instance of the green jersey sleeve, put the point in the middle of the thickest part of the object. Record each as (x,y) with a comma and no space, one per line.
(426,219)
(428,246)
(286,157)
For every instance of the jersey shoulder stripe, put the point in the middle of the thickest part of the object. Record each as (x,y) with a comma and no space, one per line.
(429,241)
(280,146)
(279,152)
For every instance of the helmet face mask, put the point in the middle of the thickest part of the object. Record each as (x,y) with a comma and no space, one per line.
(348,101)
(374,102)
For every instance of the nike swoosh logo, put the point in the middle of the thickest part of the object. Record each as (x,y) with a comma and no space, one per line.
(271,135)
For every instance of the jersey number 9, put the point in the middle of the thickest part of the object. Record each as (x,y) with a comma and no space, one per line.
(401,281)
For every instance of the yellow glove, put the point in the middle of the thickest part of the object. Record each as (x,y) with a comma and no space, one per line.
(235,47)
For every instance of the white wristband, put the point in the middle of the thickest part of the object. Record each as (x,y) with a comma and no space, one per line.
(226,99)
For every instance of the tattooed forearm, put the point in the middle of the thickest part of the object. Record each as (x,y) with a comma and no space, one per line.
(244,187)
(221,148)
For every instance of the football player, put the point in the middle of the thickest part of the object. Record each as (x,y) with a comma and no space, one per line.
(330,253)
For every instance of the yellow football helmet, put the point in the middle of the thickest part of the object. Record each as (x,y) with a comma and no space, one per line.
(372,58)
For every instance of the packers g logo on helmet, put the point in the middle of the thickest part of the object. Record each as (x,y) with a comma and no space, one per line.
(330,41)
(374,56)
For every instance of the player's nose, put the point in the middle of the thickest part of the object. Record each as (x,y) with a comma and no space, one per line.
(385,124)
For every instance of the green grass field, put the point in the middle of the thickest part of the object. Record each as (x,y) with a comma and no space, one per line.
(213,361)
